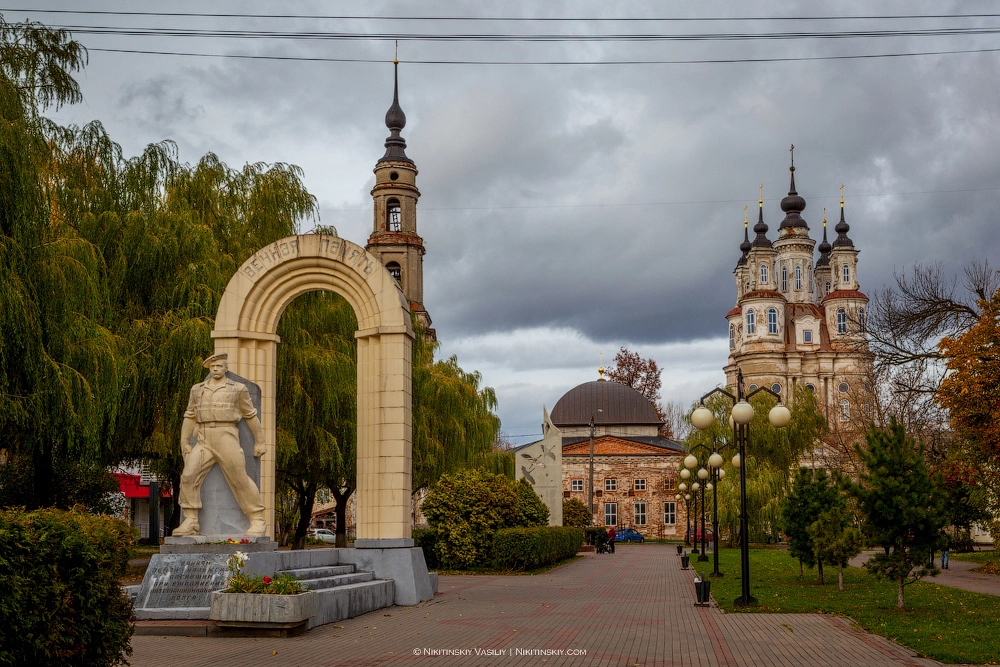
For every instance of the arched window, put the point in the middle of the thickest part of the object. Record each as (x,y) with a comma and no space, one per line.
(746,287)
(827,287)
(862,321)
(732,337)
(776,388)
(395,271)
(772,321)
(784,279)
(798,277)
(751,323)
(763,273)
(841,321)
(811,387)
(845,410)
(751,387)
(393,215)
(845,274)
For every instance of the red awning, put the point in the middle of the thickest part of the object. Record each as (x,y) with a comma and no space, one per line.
(130,486)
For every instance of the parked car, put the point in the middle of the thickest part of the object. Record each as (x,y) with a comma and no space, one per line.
(324,534)
(695,535)
(628,535)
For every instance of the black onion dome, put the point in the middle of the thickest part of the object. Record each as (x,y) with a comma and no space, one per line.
(761,229)
(395,120)
(620,404)
(744,247)
(824,250)
(793,205)
(842,228)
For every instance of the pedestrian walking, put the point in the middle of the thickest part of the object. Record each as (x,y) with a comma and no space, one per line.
(944,553)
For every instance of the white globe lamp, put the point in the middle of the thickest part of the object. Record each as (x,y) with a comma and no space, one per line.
(779,416)
(702,418)
(743,413)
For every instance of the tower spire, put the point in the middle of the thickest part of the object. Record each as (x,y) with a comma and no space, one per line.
(824,246)
(842,227)
(395,120)
(746,245)
(761,241)
(793,204)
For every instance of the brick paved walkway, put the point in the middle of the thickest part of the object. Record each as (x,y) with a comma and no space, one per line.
(631,608)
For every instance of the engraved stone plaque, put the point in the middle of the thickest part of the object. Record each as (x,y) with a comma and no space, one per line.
(182,580)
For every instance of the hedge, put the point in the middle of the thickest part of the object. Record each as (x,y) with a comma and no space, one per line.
(528,548)
(596,535)
(60,600)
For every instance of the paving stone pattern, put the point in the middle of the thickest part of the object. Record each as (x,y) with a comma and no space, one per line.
(635,607)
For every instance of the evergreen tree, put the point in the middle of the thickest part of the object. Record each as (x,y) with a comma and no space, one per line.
(812,494)
(903,507)
(835,539)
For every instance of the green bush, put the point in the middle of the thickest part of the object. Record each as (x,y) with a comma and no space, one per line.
(575,513)
(596,535)
(466,508)
(426,539)
(528,548)
(60,600)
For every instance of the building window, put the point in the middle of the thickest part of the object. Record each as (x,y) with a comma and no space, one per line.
(776,388)
(669,513)
(751,323)
(746,287)
(610,514)
(811,387)
(639,485)
(845,272)
(732,337)
(862,320)
(639,513)
(611,485)
(578,485)
(395,271)
(772,321)
(763,273)
(798,277)
(668,484)
(393,215)
(827,287)
(751,387)
(841,321)
(807,336)
(843,387)
(784,279)
(845,410)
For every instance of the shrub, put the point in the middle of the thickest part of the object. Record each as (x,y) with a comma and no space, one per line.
(575,513)
(596,535)
(426,539)
(528,548)
(60,600)
(466,508)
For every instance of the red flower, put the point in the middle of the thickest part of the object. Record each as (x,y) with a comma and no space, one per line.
(267,580)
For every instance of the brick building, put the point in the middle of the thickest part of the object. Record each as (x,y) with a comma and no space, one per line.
(635,470)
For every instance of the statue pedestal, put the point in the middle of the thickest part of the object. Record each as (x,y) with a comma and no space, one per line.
(395,559)
(216,544)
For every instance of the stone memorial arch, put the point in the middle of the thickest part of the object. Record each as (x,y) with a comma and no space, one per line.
(246,329)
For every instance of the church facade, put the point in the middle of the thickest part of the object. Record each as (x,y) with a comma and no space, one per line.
(800,323)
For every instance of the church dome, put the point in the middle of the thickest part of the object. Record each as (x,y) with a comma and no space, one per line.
(621,405)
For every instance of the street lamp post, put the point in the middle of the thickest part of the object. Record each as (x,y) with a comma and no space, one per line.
(590,480)
(742,413)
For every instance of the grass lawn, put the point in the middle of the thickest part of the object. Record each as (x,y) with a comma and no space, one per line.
(946,624)
(990,560)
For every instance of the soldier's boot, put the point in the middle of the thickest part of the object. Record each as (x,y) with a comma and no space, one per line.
(188,527)
(257,526)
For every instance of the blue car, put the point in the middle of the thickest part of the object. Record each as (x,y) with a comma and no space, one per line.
(628,535)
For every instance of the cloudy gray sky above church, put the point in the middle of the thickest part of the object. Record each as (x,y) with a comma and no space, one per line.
(569,209)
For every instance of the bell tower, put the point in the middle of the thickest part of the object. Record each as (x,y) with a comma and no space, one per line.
(394,239)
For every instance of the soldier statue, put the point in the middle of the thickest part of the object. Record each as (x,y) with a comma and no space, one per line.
(214,409)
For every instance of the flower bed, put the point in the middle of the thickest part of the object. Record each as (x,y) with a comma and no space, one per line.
(260,601)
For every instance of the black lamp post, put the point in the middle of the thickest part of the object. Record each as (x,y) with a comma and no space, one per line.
(742,414)
(590,479)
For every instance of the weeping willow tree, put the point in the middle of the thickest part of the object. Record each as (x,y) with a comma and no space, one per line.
(772,455)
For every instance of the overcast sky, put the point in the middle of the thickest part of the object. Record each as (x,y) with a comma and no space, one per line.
(572,209)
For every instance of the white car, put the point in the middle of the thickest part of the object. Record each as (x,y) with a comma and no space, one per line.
(324,534)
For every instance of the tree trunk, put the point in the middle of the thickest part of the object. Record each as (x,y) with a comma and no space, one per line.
(899,595)
(800,568)
(819,564)
(340,511)
(175,504)
(840,576)
(306,497)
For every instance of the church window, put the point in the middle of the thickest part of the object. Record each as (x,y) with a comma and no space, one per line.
(776,388)
(845,410)
(746,288)
(862,321)
(670,513)
(811,387)
(639,512)
(752,387)
(784,279)
(841,321)
(610,484)
(807,336)
(393,176)
(845,276)
(668,484)
(772,321)
(732,337)
(763,273)
(843,387)
(610,514)
(827,287)
(393,215)
(751,323)
(639,485)
(798,277)
(578,485)
(395,271)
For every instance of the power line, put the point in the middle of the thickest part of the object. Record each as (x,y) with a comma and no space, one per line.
(701,61)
